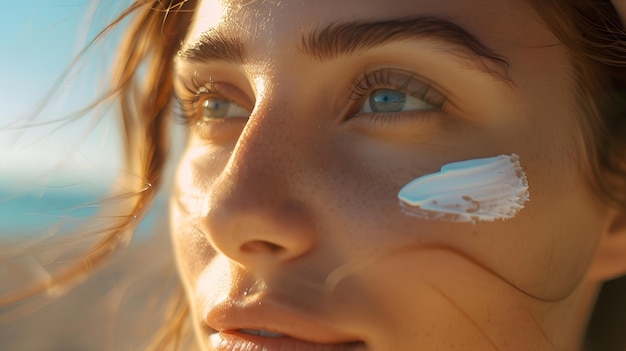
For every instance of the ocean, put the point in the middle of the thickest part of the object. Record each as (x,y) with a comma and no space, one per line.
(33,212)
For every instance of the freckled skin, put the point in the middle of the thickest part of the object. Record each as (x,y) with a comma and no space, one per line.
(300,199)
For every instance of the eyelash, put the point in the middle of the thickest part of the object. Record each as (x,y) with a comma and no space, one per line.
(404,81)
(187,107)
(407,82)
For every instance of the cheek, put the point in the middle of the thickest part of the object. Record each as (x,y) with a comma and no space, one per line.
(542,251)
(189,203)
(548,248)
(438,295)
(191,247)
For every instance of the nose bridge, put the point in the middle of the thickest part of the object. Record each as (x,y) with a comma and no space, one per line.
(261,148)
(265,152)
(254,211)
(273,144)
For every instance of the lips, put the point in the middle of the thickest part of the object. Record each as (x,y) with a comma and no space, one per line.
(268,326)
(233,340)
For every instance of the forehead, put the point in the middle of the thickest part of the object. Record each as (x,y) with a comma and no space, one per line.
(272,24)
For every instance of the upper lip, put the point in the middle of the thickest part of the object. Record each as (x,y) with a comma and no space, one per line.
(270,315)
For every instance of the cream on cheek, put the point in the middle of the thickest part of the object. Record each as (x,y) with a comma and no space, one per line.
(486,189)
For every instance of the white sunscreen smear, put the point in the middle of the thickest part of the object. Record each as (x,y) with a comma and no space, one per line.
(485,189)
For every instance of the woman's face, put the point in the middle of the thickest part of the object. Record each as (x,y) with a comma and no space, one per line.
(286,218)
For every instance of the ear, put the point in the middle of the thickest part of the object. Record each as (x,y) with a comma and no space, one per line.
(610,261)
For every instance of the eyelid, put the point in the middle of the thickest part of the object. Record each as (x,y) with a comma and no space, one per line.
(398,123)
(222,90)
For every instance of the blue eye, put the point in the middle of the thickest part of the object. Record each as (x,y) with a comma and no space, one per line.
(390,101)
(215,108)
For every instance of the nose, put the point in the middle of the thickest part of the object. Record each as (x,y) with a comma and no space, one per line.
(256,211)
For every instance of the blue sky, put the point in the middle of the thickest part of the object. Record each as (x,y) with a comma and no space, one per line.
(38,40)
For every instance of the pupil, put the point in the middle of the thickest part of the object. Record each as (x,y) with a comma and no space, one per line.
(386,100)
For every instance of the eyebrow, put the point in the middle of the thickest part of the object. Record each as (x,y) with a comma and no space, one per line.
(213,45)
(352,38)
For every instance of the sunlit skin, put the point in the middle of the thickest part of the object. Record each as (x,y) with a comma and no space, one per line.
(289,201)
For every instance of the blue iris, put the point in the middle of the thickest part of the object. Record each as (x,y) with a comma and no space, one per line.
(387,100)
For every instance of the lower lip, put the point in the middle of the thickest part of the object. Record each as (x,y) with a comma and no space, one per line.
(232,340)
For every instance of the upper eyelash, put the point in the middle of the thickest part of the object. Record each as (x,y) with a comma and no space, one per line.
(382,79)
(375,79)
(197,88)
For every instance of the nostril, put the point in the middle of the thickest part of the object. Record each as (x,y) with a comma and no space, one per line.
(250,227)
(260,246)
